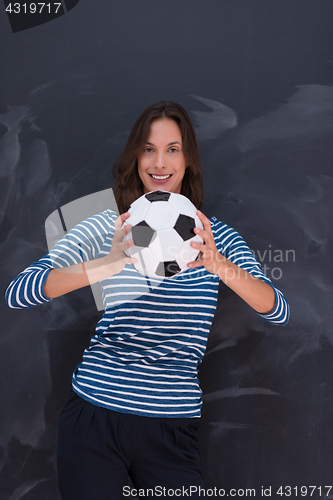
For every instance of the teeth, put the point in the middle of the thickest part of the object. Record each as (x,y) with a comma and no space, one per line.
(160,177)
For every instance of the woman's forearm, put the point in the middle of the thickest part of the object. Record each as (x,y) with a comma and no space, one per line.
(67,279)
(258,294)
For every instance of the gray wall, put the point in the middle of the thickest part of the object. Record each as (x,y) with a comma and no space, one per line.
(256,78)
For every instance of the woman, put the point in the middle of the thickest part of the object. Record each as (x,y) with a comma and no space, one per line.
(135,404)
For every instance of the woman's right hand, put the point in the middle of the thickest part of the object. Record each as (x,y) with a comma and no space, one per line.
(117,259)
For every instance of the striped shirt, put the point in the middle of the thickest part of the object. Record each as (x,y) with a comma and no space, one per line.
(144,355)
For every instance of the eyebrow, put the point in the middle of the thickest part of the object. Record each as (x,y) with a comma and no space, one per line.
(170,143)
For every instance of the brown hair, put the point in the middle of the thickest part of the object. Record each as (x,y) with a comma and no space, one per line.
(128,185)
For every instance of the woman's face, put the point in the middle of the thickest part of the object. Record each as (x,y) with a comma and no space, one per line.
(161,164)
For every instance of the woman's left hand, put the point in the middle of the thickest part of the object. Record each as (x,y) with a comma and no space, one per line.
(210,257)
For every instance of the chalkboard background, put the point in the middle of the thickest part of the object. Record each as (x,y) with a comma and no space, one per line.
(256,78)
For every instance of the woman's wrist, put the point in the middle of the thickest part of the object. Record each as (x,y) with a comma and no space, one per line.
(226,270)
(99,269)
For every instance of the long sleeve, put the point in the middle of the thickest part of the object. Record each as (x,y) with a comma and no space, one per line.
(88,240)
(234,248)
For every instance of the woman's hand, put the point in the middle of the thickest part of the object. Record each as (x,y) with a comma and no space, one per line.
(210,257)
(117,259)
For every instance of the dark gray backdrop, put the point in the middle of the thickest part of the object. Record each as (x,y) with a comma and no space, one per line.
(256,78)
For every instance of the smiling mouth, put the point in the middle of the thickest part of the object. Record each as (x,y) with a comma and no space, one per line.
(160,177)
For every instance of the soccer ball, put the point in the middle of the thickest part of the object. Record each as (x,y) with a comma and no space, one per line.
(162,230)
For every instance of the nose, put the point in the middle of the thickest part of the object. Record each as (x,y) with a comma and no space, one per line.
(159,160)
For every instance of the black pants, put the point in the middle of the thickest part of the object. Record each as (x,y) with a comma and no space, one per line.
(98,449)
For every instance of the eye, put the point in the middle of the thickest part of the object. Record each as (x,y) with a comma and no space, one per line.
(173,150)
(148,149)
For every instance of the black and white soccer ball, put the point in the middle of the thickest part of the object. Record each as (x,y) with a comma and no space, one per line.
(162,230)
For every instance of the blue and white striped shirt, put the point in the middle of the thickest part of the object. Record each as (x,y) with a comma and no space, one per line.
(144,356)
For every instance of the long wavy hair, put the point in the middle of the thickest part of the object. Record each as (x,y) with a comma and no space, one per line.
(128,185)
